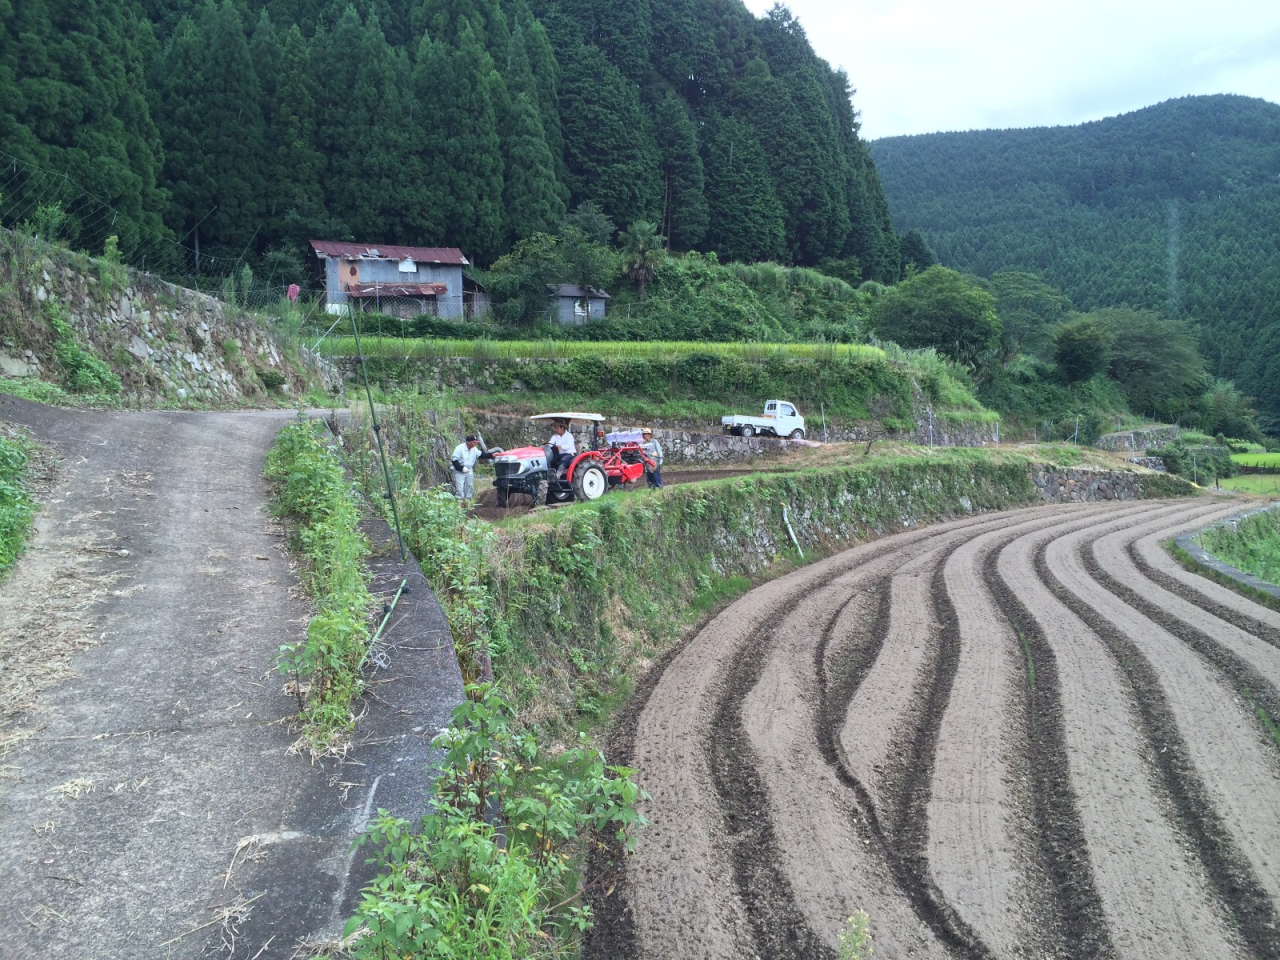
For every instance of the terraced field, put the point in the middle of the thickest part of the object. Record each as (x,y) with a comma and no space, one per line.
(1027,734)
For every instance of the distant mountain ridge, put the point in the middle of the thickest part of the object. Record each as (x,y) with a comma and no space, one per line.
(1173,207)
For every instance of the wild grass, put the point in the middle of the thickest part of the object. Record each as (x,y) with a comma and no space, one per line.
(1251,544)
(379,346)
(311,489)
(16,506)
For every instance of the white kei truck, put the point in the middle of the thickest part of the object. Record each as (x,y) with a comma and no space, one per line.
(780,419)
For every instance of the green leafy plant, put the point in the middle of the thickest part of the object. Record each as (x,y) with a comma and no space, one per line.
(449,886)
(82,370)
(855,938)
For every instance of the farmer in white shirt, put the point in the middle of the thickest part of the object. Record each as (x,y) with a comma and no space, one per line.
(463,461)
(563,447)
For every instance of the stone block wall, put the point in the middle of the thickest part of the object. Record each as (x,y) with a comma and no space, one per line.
(1136,440)
(168,344)
(1072,485)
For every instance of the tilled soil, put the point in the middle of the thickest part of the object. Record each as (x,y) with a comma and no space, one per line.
(1026,734)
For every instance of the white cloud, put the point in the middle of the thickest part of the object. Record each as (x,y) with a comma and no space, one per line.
(925,65)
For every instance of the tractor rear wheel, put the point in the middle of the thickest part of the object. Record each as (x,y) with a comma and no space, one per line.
(590,482)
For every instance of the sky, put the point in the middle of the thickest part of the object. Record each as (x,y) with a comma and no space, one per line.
(920,66)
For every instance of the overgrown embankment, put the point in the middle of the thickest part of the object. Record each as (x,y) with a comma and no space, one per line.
(71,324)
(691,384)
(1251,544)
(314,496)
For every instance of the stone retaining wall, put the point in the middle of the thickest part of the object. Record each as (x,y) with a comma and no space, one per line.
(1136,440)
(1151,463)
(167,343)
(1072,485)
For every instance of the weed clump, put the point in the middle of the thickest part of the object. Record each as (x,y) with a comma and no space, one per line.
(16,505)
(312,490)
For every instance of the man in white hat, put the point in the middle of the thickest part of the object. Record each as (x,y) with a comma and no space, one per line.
(653,450)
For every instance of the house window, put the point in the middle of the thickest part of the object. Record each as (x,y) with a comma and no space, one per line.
(408,266)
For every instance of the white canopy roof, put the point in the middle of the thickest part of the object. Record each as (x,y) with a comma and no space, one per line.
(572,415)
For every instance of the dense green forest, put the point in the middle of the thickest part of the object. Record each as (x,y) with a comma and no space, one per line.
(1172,208)
(247,127)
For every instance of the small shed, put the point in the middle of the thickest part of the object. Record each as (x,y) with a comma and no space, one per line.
(573,305)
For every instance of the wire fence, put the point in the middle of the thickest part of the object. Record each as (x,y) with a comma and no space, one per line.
(52,207)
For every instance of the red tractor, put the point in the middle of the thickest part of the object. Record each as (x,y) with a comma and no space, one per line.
(609,461)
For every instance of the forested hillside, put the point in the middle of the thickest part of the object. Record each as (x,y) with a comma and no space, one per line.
(1172,208)
(246,127)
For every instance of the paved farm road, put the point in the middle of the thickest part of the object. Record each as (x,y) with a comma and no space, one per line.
(148,806)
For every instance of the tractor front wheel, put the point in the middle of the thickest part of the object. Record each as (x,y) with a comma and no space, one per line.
(590,482)
(502,495)
(540,493)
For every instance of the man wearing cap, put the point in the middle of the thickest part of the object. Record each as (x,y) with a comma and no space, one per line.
(653,450)
(464,460)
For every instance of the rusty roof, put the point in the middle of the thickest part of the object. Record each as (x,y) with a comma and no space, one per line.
(395,290)
(450,256)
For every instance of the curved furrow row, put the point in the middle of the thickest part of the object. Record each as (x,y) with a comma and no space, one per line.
(832,851)
(1249,665)
(887,761)
(1156,565)
(818,841)
(1012,735)
(972,820)
(683,880)
(1095,800)
(1219,776)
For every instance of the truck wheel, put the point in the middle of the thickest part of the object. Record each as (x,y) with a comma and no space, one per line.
(502,495)
(540,493)
(748,430)
(796,434)
(589,482)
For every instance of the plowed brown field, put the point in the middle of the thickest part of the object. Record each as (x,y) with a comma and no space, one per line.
(1027,734)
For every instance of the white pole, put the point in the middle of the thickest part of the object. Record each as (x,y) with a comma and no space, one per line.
(1076,441)
(997,433)
(823,407)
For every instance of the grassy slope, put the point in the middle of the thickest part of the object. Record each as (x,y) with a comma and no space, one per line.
(1252,545)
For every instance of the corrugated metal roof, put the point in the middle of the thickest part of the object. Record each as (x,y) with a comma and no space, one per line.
(450,256)
(575,291)
(396,290)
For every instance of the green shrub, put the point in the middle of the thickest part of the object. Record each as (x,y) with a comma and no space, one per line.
(82,371)
(450,886)
(272,379)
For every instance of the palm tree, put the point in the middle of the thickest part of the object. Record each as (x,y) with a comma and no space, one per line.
(641,252)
